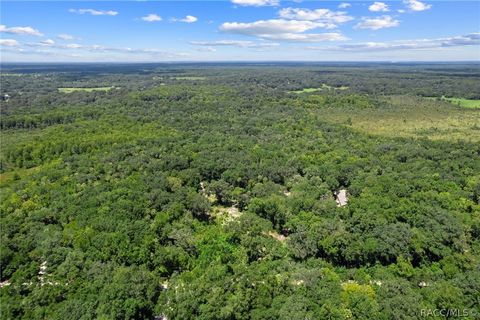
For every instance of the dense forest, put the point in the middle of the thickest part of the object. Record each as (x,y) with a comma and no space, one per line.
(211,191)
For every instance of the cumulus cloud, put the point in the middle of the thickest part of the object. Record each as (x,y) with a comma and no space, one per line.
(273,26)
(416,5)
(281,29)
(65,36)
(378,7)
(377,23)
(48,42)
(94,12)
(235,43)
(152,17)
(9,42)
(344,5)
(472,39)
(308,37)
(21,30)
(73,46)
(256,3)
(320,15)
(187,19)
(465,40)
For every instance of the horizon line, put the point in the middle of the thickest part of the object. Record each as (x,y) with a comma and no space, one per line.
(242,61)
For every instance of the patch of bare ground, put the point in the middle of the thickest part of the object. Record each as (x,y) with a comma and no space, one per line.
(228,214)
(341,197)
(277,236)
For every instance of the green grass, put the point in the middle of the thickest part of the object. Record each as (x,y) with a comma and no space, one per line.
(461,102)
(70,90)
(406,116)
(189,78)
(11,74)
(323,87)
(306,90)
(465,103)
(17,174)
(326,86)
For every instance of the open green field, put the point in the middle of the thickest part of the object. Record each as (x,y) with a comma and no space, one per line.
(466,103)
(461,102)
(71,89)
(190,78)
(406,116)
(326,86)
(323,87)
(306,90)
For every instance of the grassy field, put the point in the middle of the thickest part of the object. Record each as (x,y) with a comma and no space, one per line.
(70,90)
(461,102)
(189,78)
(306,90)
(323,87)
(10,176)
(326,86)
(406,116)
(465,103)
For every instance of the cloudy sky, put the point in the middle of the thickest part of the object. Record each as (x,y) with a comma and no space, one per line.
(238,30)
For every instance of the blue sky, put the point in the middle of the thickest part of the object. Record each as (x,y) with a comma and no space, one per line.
(256,30)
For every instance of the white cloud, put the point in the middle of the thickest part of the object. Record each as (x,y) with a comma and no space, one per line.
(307,37)
(344,5)
(94,12)
(206,49)
(281,29)
(99,48)
(21,30)
(472,39)
(9,42)
(378,7)
(65,36)
(376,46)
(187,19)
(256,3)
(152,17)
(274,26)
(73,46)
(235,43)
(416,5)
(321,15)
(377,23)
(48,42)
(465,40)
(401,11)
(92,53)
